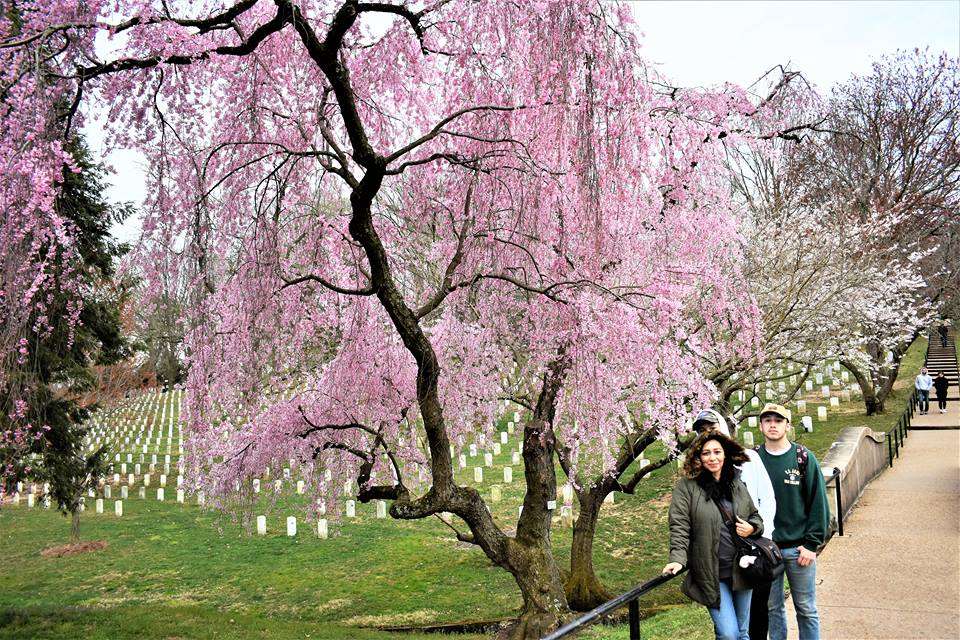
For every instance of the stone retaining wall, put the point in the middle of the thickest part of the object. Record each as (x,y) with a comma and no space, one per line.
(861,454)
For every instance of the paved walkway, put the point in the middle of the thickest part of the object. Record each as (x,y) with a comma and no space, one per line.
(896,571)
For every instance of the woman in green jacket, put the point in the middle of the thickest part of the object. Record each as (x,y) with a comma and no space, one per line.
(702,541)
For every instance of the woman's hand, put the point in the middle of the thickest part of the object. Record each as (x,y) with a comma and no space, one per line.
(672,568)
(744,528)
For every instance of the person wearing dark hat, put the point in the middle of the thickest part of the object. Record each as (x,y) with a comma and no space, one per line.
(803,515)
(940,385)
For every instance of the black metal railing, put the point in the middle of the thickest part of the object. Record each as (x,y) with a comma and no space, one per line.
(837,476)
(630,599)
(901,430)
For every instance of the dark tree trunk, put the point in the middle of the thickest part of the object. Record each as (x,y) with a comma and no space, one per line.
(870,400)
(75,526)
(584,590)
(544,601)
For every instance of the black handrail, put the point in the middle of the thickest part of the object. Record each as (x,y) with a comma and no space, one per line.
(837,474)
(629,598)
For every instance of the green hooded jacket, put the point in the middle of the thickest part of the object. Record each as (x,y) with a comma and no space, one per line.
(695,523)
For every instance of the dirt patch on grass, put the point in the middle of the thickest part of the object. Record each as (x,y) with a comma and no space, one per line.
(73,549)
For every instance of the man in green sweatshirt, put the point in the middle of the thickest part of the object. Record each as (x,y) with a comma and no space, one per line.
(800,526)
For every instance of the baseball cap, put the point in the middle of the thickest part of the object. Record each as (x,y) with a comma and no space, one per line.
(776,409)
(710,419)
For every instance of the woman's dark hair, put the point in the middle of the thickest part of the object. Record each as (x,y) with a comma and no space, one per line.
(733,454)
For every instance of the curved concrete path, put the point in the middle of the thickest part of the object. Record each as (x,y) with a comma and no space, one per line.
(896,571)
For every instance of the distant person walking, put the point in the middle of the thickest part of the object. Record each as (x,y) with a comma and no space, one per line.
(941,384)
(801,522)
(923,383)
(754,475)
(942,330)
(710,505)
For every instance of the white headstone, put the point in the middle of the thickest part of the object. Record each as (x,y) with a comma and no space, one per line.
(496,448)
(755,402)
(507,475)
(488,459)
(801,406)
(351,509)
(124,492)
(608,499)
(256,485)
(200,499)
(825,391)
(300,486)
(495,493)
(752,422)
(381,509)
(748,439)
(291,526)
(807,423)
(322,532)
(822,414)
(808,385)
(180,496)
(551,505)
(107,492)
(834,401)
(515,458)
(819,378)
(160,494)
(118,508)
(146,480)
(478,474)
(99,505)
(504,437)
(473,450)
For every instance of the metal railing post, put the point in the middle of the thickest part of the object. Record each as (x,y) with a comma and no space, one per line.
(836,479)
(634,609)
(889,449)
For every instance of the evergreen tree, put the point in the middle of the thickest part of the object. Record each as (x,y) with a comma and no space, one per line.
(62,358)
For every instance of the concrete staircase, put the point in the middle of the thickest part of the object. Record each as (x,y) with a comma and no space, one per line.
(943,359)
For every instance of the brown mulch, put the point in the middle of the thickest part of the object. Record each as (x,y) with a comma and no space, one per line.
(73,549)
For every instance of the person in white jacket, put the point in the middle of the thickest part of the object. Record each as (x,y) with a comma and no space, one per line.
(754,475)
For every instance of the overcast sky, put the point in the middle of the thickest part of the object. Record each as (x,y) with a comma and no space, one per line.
(706,43)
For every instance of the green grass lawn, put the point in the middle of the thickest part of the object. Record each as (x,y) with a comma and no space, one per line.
(176,571)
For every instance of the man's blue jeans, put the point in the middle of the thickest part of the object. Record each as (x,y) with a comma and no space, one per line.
(803,584)
(924,399)
(732,620)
